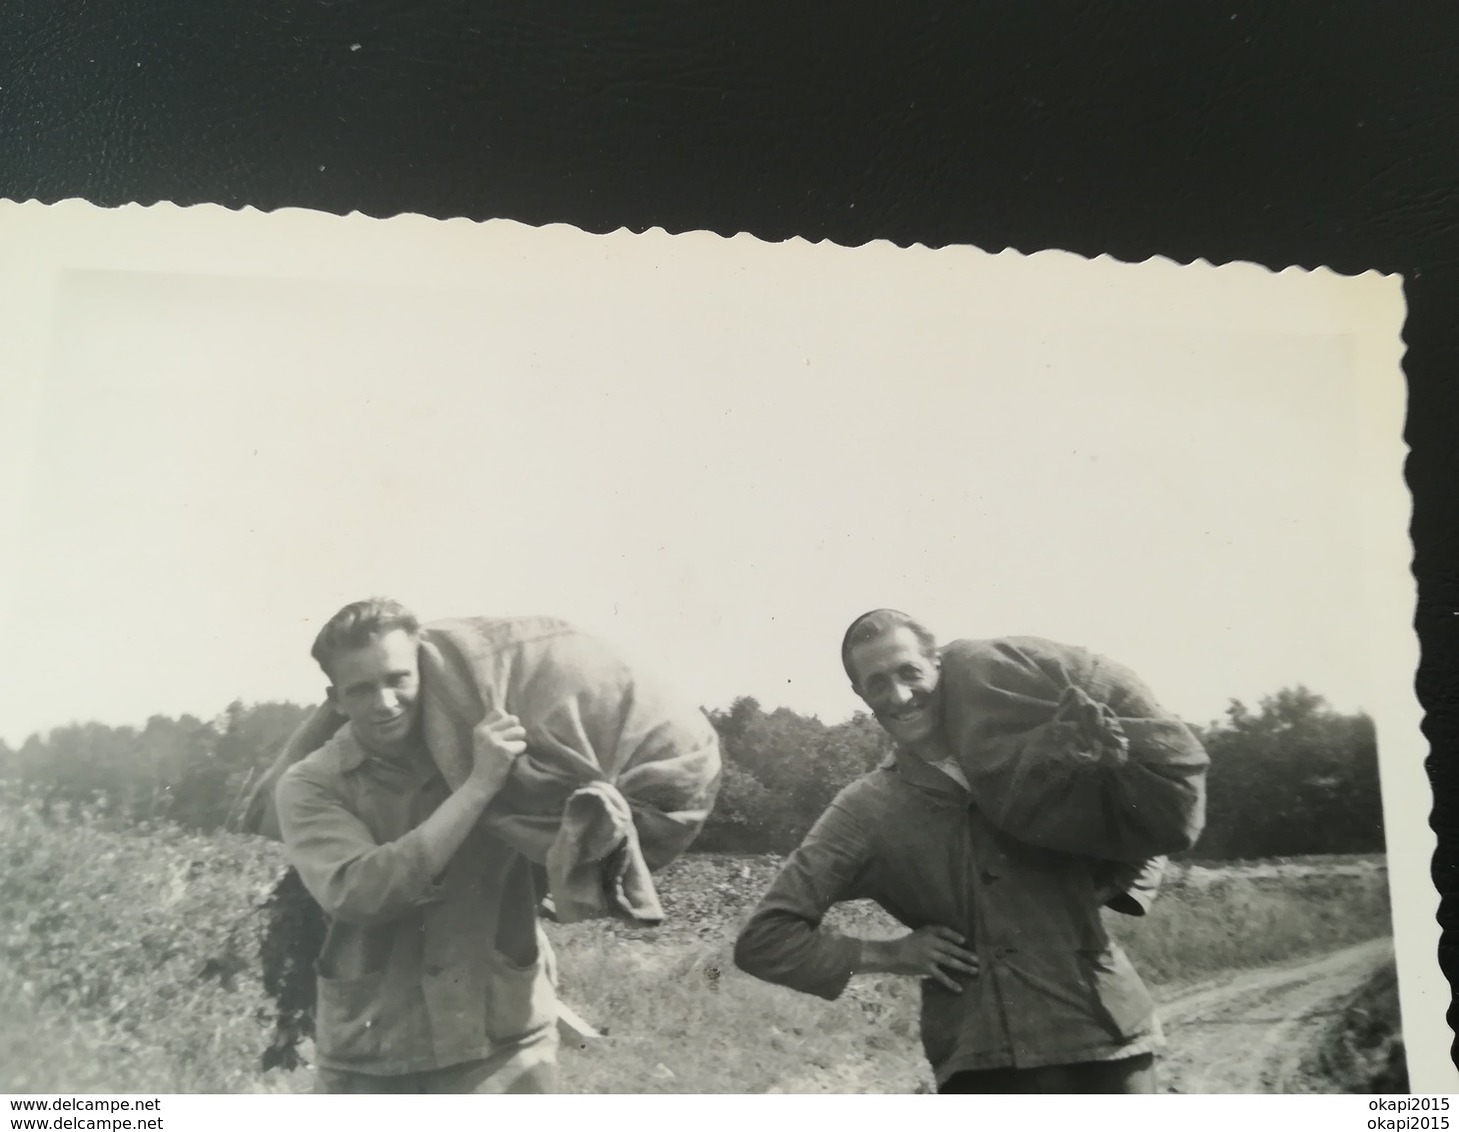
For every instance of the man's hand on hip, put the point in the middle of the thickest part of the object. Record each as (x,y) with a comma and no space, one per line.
(932,952)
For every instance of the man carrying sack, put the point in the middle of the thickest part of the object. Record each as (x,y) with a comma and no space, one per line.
(1032,784)
(448,761)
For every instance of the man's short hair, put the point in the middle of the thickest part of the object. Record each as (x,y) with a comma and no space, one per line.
(870,626)
(359,623)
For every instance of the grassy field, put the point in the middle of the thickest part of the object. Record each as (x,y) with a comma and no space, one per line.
(129,961)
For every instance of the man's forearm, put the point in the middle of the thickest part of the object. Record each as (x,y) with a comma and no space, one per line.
(353,877)
(782,948)
(876,956)
(784,941)
(446,830)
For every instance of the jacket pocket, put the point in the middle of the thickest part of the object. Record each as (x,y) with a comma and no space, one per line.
(944,1016)
(348,1025)
(520,999)
(1123,999)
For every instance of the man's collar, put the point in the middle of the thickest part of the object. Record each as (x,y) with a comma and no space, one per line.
(353,755)
(919,772)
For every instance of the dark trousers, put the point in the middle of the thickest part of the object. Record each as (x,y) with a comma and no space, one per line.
(1127,1075)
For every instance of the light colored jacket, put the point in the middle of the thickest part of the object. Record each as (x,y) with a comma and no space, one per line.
(416,973)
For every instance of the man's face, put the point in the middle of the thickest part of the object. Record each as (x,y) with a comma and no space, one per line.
(378,688)
(899,682)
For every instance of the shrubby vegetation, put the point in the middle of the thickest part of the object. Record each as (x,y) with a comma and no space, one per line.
(151,932)
(1290,777)
(1363,1052)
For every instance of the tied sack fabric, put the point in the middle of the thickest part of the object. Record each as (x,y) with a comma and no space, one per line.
(1067,750)
(619,774)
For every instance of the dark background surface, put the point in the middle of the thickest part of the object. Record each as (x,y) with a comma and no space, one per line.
(1289,134)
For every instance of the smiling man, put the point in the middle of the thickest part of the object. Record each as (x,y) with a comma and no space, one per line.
(1023,990)
(434,975)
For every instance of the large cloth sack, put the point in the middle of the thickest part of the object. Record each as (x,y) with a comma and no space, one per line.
(619,775)
(1068,750)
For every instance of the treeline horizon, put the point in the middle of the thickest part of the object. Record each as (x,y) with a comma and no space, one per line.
(1290,777)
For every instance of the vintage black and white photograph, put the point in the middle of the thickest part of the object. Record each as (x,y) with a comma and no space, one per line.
(472,658)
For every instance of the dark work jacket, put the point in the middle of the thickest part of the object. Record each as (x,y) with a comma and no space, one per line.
(1053,989)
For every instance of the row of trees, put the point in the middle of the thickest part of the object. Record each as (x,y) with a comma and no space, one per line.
(190,771)
(1291,777)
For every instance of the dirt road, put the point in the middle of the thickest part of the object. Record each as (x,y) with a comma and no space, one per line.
(1251,1033)
(1247,1034)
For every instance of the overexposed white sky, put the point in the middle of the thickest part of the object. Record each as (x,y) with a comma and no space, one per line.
(716,460)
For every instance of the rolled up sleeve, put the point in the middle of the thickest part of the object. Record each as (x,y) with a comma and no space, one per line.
(350,875)
(784,941)
(1133,888)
